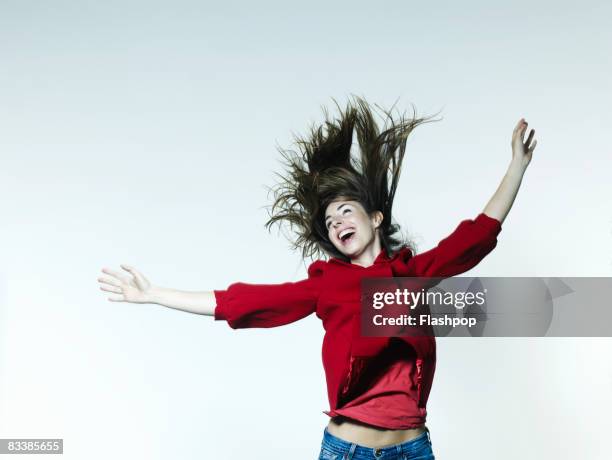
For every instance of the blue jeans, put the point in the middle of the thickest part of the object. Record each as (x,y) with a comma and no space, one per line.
(334,448)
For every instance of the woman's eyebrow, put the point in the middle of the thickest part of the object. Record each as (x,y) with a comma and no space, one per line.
(337,209)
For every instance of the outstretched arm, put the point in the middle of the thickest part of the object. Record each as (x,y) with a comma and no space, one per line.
(473,239)
(137,289)
(241,305)
(500,203)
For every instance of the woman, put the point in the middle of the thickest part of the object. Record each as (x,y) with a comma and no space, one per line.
(342,207)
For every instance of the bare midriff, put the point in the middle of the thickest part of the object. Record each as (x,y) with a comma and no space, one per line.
(368,435)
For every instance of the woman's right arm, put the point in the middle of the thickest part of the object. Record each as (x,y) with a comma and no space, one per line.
(138,289)
(241,305)
(201,303)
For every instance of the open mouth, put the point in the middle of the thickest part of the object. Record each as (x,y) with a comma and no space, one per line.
(347,237)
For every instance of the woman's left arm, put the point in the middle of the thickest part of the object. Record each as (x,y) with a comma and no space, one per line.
(473,239)
(500,203)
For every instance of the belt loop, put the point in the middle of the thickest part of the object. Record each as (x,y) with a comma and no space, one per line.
(351,452)
(428,435)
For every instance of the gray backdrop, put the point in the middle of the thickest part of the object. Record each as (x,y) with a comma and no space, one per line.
(143,133)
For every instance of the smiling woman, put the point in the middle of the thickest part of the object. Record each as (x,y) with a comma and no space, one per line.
(353,232)
(341,208)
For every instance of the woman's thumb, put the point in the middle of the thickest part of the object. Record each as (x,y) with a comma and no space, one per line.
(134,272)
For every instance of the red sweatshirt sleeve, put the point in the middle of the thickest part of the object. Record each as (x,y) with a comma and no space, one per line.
(462,250)
(245,305)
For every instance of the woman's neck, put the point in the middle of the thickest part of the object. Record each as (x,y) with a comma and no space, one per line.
(368,255)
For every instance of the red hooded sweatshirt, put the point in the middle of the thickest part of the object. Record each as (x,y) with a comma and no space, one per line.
(333,291)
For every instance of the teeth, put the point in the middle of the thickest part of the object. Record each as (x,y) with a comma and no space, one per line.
(344,232)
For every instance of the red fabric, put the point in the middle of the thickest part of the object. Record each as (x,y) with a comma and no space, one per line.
(351,362)
(385,397)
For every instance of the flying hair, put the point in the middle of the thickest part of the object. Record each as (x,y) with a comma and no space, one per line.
(323,170)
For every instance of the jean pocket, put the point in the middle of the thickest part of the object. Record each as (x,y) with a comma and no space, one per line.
(420,457)
(422,453)
(328,455)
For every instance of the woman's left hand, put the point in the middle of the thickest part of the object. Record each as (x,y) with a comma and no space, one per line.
(522,151)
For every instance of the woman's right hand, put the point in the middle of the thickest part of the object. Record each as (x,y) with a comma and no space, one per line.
(131,287)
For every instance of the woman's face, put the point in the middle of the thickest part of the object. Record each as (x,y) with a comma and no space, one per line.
(349,227)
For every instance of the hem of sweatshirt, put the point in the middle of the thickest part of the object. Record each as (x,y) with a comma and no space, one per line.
(371,422)
(220,298)
(491,224)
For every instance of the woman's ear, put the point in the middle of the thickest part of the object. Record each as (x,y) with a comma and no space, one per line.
(377,219)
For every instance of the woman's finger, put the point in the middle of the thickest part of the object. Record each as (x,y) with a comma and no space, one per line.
(523,129)
(129,268)
(117,299)
(109,281)
(531,133)
(518,126)
(115,290)
(141,280)
(116,274)
(533,146)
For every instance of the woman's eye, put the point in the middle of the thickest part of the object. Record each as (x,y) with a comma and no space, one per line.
(343,212)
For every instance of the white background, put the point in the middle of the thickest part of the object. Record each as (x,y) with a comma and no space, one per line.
(144,133)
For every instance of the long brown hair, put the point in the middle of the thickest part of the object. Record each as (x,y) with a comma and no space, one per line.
(323,171)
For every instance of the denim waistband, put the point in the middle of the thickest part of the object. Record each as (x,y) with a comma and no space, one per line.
(339,447)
